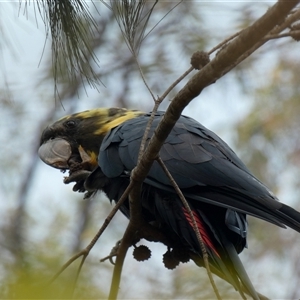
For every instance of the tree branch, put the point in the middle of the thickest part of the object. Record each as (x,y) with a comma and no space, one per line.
(208,75)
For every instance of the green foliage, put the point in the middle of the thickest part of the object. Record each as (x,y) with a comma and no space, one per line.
(31,281)
(72,28)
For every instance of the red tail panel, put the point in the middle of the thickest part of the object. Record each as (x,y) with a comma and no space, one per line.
(201,227)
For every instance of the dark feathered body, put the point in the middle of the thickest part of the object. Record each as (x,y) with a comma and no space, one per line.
(203,166)
(219,188)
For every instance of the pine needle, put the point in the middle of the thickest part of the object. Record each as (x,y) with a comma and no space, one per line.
(71,27)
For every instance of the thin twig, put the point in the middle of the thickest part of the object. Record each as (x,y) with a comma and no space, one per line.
(135,224)
(274,34)
(162,19)
(195,227)
(293,17)
(147,129)
(220,45)
(85,252)
(143,77)
(172,86)
(275,31)
(287,34)
(129,18)
(78,272)
(120,258)
(66,265)
(156,105)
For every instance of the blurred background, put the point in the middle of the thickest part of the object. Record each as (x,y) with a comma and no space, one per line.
(255,109)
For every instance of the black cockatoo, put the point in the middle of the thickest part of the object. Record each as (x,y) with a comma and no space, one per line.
(219,188)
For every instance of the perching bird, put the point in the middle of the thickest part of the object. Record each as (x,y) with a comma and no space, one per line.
(219,188)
